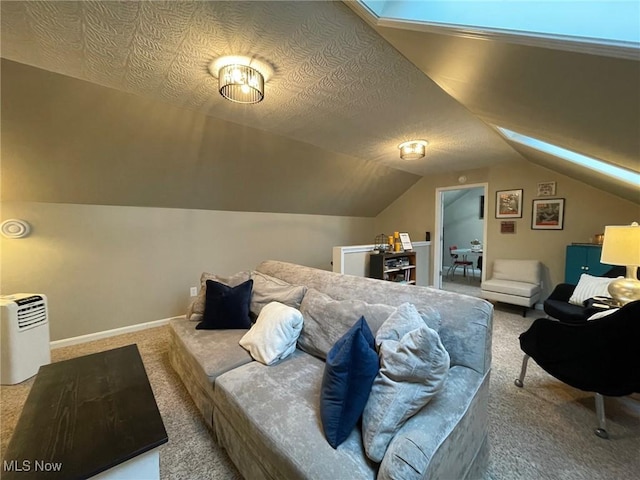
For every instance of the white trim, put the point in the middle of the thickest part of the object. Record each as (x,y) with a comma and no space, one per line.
(66,342)
(608,48)
(338,255)
(437,238)
(357,248)
(339,252)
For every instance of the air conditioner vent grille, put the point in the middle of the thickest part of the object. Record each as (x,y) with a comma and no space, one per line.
(31,315)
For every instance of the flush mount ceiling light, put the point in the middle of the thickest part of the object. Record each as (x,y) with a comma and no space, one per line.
(241,84)
(413,150)
(241,79)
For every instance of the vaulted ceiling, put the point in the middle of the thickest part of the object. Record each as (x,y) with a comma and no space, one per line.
(344,90)
(585,98)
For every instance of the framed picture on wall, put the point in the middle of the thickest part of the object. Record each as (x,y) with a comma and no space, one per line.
(509,204)
(548,214)
(508,227)
(546,189)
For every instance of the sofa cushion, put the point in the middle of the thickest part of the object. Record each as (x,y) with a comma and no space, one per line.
(527,271)
(326,320)
(273,413)
(267,289)
(226,307)
(275,333)
(352,364)
(468,343)
(442,439)
(413,368)
(196,307)
(198,345)
(510,287)
(589,287)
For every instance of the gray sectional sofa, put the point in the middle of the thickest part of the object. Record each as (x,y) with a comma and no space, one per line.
(267,417)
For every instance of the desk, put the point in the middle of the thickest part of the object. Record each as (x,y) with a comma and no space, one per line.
(91,415)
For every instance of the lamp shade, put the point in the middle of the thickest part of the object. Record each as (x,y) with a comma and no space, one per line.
(241,84)
(621,245)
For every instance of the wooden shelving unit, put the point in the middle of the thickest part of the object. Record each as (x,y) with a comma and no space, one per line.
(399,267)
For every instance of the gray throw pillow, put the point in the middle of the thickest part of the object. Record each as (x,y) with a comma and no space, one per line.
(413,367)
(326,320)
(267,289)
(196,307)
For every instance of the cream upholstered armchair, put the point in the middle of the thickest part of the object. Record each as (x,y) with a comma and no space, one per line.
(517,282)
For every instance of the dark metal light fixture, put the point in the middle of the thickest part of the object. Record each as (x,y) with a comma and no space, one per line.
(241,83)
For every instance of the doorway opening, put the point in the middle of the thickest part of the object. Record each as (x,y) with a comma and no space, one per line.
(461,214)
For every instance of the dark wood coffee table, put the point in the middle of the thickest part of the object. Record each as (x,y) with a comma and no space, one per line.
(87,416)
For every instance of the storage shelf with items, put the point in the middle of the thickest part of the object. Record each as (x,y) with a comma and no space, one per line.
(399,267)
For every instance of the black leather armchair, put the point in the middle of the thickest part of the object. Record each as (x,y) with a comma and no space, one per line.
(600,356)
(558,306)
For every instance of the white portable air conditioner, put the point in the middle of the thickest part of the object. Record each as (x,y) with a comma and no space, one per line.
(24,336)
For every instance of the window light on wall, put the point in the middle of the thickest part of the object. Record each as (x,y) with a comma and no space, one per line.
(613,171)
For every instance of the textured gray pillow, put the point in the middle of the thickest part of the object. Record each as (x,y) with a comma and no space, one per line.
(413,367)
(267,289)
(196,307)
(326,320)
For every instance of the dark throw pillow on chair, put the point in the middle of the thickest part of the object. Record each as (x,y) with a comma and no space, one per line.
(226,307)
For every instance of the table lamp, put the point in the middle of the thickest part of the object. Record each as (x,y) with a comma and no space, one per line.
(622,247)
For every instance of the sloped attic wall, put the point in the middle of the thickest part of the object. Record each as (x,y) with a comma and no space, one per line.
(588,103)
(127,199)
(69,141)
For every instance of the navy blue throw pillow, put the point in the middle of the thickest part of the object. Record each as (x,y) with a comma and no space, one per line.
(226,307)
(352,365)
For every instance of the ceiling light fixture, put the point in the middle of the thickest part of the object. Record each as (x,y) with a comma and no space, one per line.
(241,83)
(413,150)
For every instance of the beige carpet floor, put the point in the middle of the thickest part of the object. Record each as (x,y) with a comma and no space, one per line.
(543,431)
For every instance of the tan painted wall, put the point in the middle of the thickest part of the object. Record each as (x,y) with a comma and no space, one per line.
(69,141)
(105,267)
(587,211)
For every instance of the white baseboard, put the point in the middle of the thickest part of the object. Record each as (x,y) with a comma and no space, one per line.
(66,342)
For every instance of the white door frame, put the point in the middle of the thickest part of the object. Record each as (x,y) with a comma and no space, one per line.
(437,237)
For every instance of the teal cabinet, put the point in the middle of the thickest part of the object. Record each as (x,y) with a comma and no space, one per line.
(583,259)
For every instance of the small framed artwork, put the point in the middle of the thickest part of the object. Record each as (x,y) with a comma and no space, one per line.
(481,207)
(406,241)
(548,214)
(509,204)
(508,227)
(546,189)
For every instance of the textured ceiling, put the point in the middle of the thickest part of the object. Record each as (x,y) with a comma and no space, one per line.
(587,101)
(336,84)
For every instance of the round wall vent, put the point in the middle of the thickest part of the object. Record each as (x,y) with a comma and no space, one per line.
(14,228)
